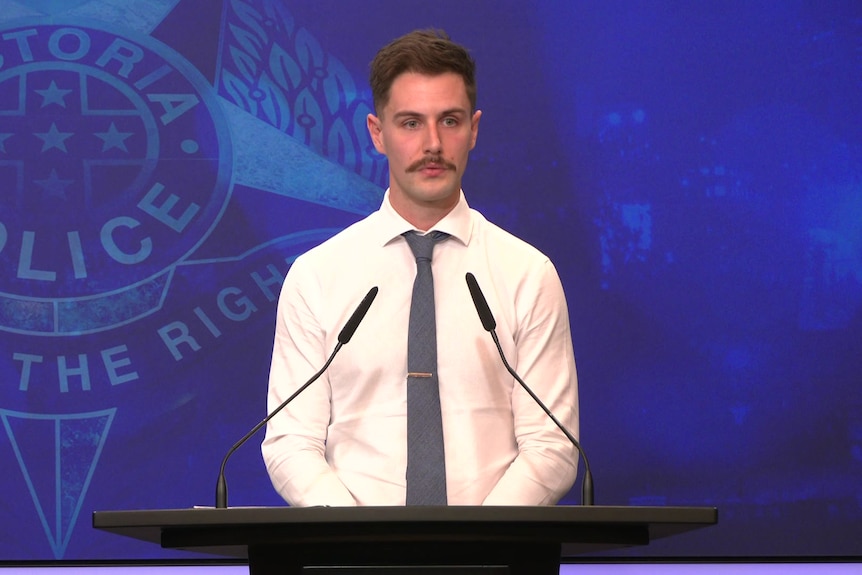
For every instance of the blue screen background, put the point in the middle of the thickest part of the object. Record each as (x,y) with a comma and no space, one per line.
(692,168)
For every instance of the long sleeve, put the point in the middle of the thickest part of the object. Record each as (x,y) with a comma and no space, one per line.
(546,464)
(343,441)
(294,447)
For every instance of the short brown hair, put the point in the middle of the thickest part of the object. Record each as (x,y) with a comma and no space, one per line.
(429,52)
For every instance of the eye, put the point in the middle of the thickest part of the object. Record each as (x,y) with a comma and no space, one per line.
(411,124)
(450,122)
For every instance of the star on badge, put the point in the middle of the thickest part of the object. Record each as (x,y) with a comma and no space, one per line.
(54,187)
(53,95)
(113,138)
(53,138)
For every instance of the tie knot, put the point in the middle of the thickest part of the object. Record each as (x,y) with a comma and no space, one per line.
(423,246)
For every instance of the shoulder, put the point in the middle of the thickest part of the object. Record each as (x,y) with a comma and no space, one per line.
(356,238)
(330,271)
(516,268)
(500,243)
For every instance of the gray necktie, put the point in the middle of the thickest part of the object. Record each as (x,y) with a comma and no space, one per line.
(426,466)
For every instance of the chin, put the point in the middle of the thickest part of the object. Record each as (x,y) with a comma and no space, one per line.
(439,193)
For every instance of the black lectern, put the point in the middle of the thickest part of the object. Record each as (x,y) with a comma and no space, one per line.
(514,540)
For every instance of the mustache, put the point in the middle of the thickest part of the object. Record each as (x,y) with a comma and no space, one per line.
(436,160)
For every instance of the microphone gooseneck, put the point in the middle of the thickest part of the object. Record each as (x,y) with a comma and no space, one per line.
(488,322)
(343,337)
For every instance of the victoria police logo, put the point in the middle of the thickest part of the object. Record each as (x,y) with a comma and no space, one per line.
(124,252)
(114,166)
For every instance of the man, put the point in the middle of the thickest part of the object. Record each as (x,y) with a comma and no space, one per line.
(344,441)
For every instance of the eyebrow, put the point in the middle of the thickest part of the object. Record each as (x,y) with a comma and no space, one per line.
(449,112)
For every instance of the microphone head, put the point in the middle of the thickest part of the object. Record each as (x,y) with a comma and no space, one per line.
(358,315)
(482,308)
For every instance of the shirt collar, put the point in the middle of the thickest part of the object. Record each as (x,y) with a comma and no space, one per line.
(457,223)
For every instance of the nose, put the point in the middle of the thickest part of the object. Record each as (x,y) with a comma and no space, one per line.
(432,140)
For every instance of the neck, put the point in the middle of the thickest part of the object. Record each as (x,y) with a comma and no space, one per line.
(423,217)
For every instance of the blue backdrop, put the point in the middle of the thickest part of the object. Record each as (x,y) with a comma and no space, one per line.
(693,168)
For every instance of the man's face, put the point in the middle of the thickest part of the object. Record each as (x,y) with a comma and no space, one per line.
(426,131)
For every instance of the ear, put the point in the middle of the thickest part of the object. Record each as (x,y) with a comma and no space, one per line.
(474,128)
(375,130)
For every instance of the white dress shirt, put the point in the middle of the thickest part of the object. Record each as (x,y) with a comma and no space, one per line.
(343,442)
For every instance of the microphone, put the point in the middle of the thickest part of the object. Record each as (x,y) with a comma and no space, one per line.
(350,327)
(490,325)
(343,337)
